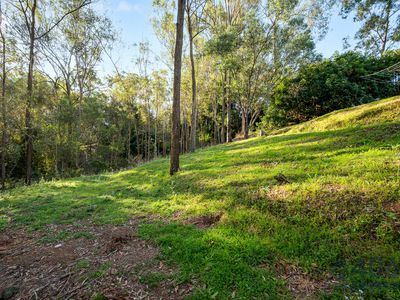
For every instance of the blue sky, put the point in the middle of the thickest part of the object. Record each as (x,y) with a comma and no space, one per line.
(131,19)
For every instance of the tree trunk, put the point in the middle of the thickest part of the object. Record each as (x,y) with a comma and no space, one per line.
(29,100)
(387,21)
(187,134)
(145,142)
(164,150)
(228,114)
(149,135)
(223,113)
(79,128)
(245,127)
(229,121)
(137,137)
(143,145)
(216,127)
(155,137)
(3,108)
(223,135)
(174,167)
(193,133)
(183,136)
(128,143)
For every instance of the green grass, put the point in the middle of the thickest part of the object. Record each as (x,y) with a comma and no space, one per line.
(152,279)
(383,111)
(336,215)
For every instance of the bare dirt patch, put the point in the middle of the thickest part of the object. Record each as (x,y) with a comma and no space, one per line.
(106,260)
(204,221)
(269,163)
(278,193)
(393,207)
(333,188)
(300,283)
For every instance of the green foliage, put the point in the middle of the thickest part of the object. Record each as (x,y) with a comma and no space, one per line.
(330,85)
(98,296)
(224,43)
(380,20)
(152,279)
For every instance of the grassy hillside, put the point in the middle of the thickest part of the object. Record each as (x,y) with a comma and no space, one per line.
(311,212)
(378,112)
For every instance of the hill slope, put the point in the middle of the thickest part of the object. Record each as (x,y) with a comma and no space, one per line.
(312,212)
(377,112)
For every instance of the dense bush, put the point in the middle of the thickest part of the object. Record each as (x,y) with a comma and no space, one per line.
(331,84)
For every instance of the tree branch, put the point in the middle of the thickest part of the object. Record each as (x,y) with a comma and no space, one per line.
(83,4)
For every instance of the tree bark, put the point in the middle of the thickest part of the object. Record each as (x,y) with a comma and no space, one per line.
(164,150)
(223,113)
(229,117)
(245,127)
(187,134)
(174,163)
(193,133)
(148,134)
(387,21)
(137,137)
(128,143)
(3,108)
(229,121)
(215,114)
(29,100)
(155,137)
(223,135)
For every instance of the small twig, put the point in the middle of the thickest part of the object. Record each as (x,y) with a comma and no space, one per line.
(66,282)
(39,289)
(66,275)
(72,292)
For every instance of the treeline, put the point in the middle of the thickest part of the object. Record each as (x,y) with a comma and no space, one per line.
(245,63)
(345,80)
(59,118)
(76,135)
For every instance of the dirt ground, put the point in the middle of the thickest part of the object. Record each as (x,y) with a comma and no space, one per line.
(89,262)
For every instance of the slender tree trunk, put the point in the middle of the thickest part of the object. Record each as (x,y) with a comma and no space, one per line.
(216,127)
(193,134)
(223,113)
(183,135)
(187,133)
(3,108)
(387,21)
(149,135)
(128,142)
(59,143)
(245,128)
(137,137)
(174,167)
(228,121)
(79,127)
(228,115)
(155,137)
(223,135)
(69,140)
(142,144)
(164,150)
(29,100)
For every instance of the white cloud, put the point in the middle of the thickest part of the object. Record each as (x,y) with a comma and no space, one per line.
(126,6)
